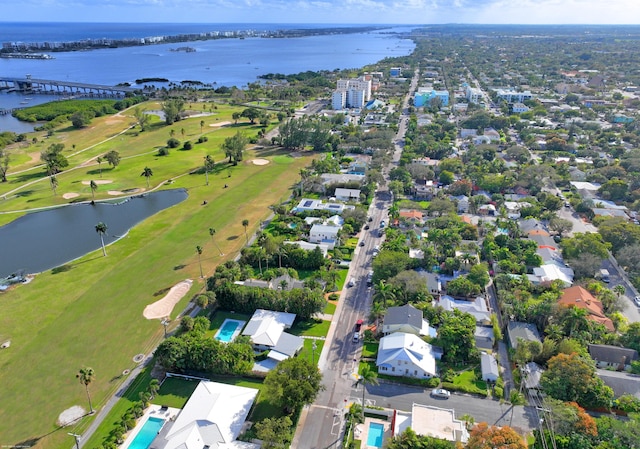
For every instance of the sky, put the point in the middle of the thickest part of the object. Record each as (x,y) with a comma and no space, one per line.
(326,11)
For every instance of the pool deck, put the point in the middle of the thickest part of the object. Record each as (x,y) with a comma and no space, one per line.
(362,431)
(241,325)
(154,411)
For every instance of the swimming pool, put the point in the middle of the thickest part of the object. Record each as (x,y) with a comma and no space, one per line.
(147,433)
(228,330)
(375,435)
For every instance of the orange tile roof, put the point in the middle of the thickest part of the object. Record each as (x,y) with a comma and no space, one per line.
(538,232)
(577,296)
(411,214)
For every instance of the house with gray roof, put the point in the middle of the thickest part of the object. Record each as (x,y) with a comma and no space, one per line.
(484,337)
(517,330)
(266,332)
(607,356)
(406,319)
(477,308)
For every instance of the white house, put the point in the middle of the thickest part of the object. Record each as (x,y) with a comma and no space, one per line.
(325,234)
(347,194)
(309,246)
(519,108)
(477,308)
(402,354)
(434,422)
(308,205)
(489,367)
(266,331)
(213,417)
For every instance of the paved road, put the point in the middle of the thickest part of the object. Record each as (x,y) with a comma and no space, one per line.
(321,424)
(402,397)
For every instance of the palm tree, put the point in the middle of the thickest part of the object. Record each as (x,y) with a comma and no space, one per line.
(619,290)
(54,184)
(199,251)
(384,292)
(212,232)
(209,163)
(99,161)
(86,376)
(147,173)
(93,187)
(201,125)
(101,229)
(245,223)
(367,377)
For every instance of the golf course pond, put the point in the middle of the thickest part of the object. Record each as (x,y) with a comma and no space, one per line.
(46,239)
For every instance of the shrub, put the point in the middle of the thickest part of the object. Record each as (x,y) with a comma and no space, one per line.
(516,398)
(334,296)
(203,139)
(173,143)
(164,151)
(433,382)
(187,145)
(448,375)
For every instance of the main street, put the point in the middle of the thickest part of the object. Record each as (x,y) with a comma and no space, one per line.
(322,423)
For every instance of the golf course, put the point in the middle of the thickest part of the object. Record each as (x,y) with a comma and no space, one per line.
(89,312)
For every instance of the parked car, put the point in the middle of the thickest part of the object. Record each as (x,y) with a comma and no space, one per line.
(366,227)
(440,393)
(637,300)
(356,337)
(359,324)
(362,243)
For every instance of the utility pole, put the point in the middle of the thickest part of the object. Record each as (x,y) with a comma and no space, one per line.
(165,322)
(76,437)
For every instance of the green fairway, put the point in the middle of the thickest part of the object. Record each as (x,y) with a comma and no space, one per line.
(91,315)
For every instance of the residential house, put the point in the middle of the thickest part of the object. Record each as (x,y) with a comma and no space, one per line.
(433,283)
(422,191)
(395,72)
(533,374)
(465,132)
(309,246)
(489,367)
(517,330)
(358,167)
(518,108)
(487,209)
(308,205)
(435,422)
(477,308)
(213,417)
(462,203)
(347,194)
(577,296)
(426,161)
(266,332)
(546,274)
(492,134)
(513,208)
(512,96)
(341,178)
(484,337)
(607,356)
(402,354)
(406,319)
(325,234)
(474,95)
(412,215)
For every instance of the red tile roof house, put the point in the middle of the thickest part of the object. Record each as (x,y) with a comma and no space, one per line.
(577,296)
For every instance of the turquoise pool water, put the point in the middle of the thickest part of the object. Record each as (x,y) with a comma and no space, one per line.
(225,334)
(146,435)
(375,435)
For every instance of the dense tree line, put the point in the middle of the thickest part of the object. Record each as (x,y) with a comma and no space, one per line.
(194,351)
(305,303)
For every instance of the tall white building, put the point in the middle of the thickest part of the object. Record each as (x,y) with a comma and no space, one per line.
(352,93)
(512,96)
(474,95)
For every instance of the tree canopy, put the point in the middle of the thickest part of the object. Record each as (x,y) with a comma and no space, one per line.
(293,383)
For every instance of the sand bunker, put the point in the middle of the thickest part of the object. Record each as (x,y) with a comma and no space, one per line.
(215,125)
(71,415)
(70,195)
(260,162)
(97,181)
(115,192)
(163,307)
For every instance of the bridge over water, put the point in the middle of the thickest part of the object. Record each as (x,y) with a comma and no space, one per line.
(29,84)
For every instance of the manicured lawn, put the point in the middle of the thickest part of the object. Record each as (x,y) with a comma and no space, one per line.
(370,349)
(468,381)
(307,350)
(330,308)
(310,328)
(342,272)
(175,392)
(91,315)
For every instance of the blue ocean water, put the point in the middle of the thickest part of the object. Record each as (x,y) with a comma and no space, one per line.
(222,62)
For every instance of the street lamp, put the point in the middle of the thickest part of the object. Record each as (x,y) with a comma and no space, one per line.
(165,322)
(77,438)
(313,352)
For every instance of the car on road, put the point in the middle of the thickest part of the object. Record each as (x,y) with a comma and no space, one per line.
(366,227)
(382,223)
(362,243)
(358,326)
(637,300)
(356,337)
(567,204)
(370,219)
(440,393)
